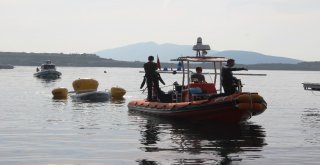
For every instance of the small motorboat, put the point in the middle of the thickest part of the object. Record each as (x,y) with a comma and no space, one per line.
(202,102)
(47,71)
(311,86)
(234,108)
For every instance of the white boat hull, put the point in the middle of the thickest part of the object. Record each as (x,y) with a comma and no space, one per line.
(50,74)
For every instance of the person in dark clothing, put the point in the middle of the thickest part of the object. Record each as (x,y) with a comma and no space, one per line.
(228,81)
(198,77)
(152,77)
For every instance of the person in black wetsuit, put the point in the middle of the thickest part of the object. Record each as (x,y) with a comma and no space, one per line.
(227,79)
(152,77)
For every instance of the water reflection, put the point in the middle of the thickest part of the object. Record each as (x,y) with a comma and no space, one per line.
(147,162)
(58,103)
(111,101)
(219,143)
(87,105)
(118,101)
(91,115)
(311,116)
(310,120)
(48,82)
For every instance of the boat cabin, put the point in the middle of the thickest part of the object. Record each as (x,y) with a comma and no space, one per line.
(48,66)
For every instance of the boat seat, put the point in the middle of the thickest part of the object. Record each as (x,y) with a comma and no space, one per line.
(207,90)
(205,87)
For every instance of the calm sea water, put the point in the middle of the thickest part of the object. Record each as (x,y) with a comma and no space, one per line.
(35,129)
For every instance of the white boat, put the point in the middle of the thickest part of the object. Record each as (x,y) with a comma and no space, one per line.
(47,71)
(311,86)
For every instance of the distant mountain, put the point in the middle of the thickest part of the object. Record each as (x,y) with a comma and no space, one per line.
(246,57)
(141,51)
(166,52)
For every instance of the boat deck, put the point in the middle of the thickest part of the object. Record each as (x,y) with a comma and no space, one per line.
(311,86)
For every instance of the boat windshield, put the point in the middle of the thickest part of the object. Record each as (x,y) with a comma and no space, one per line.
(48,66)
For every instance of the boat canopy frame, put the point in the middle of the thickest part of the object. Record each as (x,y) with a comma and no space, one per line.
(203,59)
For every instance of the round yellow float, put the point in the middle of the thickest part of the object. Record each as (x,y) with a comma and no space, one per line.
(60,93)
(117,92)
(85,85)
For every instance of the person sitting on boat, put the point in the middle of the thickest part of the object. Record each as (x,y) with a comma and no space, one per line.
(198,77)
(152,77)
(229,82)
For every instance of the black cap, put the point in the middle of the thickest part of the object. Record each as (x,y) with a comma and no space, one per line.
(150,58)
(230,60)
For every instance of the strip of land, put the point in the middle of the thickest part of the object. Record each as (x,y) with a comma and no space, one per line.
(92,60)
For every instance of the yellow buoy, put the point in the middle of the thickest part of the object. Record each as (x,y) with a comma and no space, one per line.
(60,93)
(85,85)
(117,92)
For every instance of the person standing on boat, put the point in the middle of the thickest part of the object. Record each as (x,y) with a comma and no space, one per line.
(198,77)
(152,77)
(227,79)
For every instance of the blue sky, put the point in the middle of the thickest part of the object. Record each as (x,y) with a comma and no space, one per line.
(288,28)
